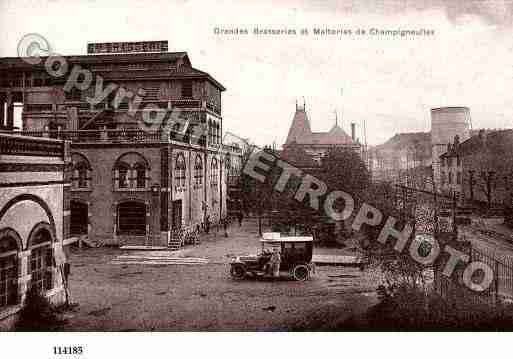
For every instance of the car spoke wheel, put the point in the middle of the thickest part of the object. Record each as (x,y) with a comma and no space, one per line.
(237,271)
(300,272)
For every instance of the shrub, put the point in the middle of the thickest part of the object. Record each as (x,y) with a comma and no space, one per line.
(37,313)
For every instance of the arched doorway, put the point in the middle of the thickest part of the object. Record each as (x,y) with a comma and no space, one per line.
(132,218)
(8,268)
(41,258)
(79,218)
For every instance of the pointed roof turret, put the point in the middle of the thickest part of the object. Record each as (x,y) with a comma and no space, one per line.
(300,128)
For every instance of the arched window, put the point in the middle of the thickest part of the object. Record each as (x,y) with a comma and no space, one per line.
(213,172)
(198,170)
(210,132)
(8,269)
(131,171)
(81,177)
(123,175)
(41,259)
(140,175)
(180,171)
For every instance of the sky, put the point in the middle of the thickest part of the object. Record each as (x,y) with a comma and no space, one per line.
(388,83)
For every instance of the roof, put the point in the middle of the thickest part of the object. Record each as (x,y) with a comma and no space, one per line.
(301,133)
(18,63)
(400,140)
(300,127)
(495,142)
(275,237)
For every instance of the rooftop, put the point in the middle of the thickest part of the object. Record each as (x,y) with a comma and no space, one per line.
(301,133)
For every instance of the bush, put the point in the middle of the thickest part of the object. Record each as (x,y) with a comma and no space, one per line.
(37,314)
(405,308)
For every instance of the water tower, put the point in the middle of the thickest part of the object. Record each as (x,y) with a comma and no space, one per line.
(447,122)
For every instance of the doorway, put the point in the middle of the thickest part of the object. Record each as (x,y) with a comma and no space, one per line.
(177,214)
(79,218)
(132,218)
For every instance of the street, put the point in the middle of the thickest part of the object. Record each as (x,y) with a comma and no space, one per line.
(199,295)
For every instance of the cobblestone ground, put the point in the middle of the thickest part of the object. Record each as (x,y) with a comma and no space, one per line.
(203,297)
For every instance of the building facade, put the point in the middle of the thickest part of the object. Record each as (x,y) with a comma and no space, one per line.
(480,169)
(146,158)
(317,144)
(402,158)
(34,220)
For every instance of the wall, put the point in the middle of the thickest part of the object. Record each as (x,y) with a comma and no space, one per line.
(32,194)
(102,197)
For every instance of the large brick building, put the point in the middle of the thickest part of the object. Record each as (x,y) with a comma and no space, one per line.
(133,179)
(34,220)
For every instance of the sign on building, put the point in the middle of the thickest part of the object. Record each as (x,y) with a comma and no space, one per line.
(127,47)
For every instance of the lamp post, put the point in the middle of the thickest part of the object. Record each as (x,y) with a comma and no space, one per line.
(155,191)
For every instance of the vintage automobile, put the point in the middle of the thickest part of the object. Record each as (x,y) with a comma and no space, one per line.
(296,258)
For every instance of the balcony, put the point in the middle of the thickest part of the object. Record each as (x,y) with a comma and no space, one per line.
(26,146)
(115,136)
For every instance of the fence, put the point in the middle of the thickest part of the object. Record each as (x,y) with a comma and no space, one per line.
(500,289)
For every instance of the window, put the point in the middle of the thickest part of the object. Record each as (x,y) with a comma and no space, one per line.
(41,261)
(187,89)
(8,271)
(72,95)
(458,178)
(180,169)
(213,172)
(123,170)
(81,176)
(450,177)
(458,161)
(140,175)
(131,172)
(198,170)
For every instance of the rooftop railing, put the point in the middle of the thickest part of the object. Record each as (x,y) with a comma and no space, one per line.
(10,144)
(114,136)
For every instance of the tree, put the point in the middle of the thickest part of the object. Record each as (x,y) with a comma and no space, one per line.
(256,195)
(343,169)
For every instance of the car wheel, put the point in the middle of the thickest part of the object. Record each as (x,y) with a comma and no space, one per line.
(238,271)
(300,272)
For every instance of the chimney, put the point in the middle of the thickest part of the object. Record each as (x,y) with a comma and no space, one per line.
(456,141)
(353,131)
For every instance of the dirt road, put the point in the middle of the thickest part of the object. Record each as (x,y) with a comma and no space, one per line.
(203,297)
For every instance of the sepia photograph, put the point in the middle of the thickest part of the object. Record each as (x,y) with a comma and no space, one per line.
(255,166)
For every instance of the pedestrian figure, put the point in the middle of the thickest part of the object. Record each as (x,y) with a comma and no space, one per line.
(275,262)
(240,217)
(225,226)
(207,224)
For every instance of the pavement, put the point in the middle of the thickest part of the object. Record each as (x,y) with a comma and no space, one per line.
(191,290)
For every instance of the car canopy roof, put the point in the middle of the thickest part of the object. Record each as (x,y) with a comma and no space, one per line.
(275,237)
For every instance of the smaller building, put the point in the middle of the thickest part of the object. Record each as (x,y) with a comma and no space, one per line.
(405,158)
(480,169)
(34,220)
(317,144)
